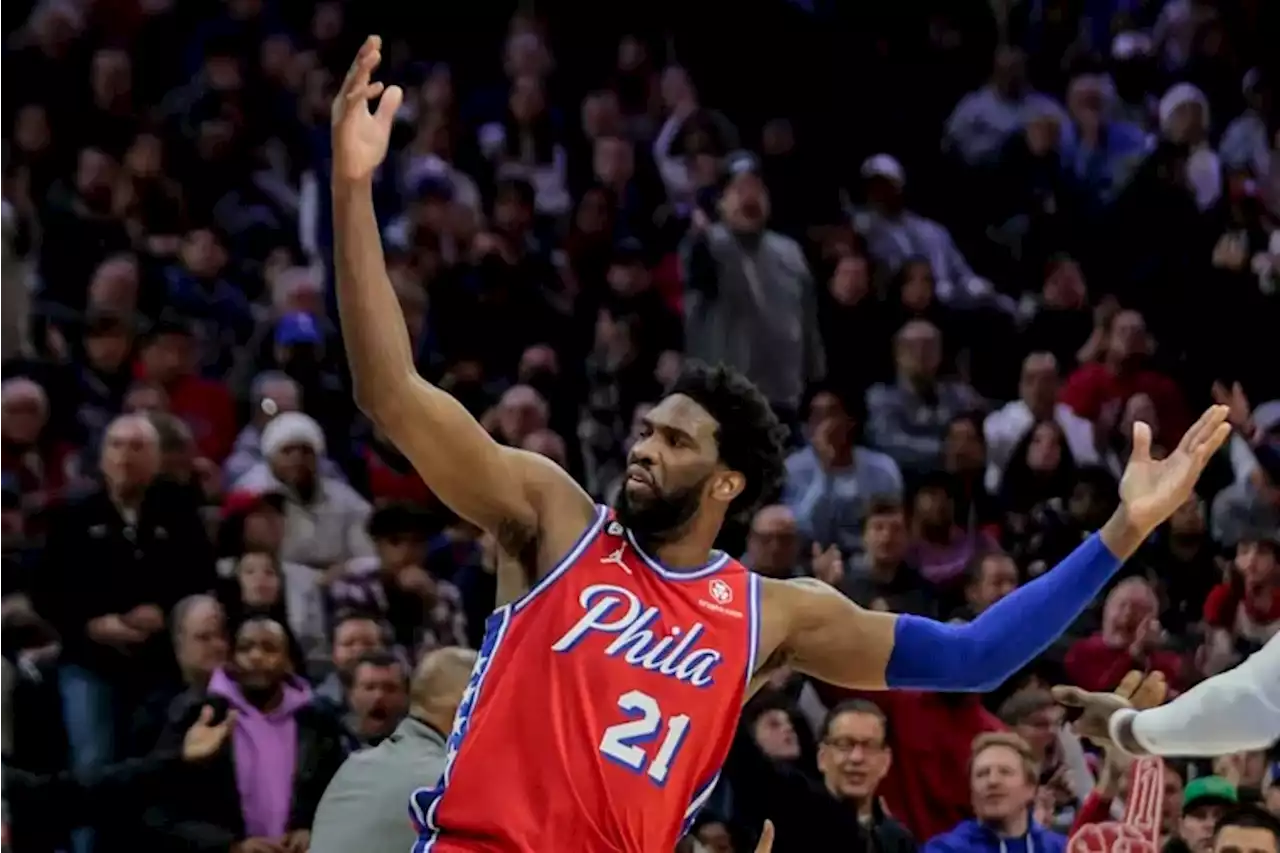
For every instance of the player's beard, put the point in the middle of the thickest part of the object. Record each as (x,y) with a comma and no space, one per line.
(660,516)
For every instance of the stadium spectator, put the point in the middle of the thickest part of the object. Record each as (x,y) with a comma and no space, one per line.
(962,228)
(361,807)
(378,698)
(266,783)
(1003,775)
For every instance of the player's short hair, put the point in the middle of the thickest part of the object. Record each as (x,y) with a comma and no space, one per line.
(749,437)
(1250,816)
(1008,740)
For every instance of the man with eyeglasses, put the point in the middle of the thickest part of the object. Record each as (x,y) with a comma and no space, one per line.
(853,758)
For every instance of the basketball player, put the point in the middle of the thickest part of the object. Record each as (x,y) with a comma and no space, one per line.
(605,696)
(1234,711)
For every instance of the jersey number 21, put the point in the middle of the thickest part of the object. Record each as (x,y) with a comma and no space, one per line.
(621,742)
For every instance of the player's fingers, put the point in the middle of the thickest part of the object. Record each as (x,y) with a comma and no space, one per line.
(1220,395)
(1129,684)
(206,714)
(766,838)
(1072,697)
(389,105)
(1189,437)
(1212,444)
(815,550)
(367,92)
(359,66)
(1203,426)
(1141,443)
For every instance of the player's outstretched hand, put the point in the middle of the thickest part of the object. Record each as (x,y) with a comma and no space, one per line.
(1152,489)
(360,137)
(1136,690)
(765,844)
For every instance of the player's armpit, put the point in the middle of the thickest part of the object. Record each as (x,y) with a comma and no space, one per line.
(823,634)
(522,498)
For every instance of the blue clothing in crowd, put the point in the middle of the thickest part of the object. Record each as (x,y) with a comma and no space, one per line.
(974,837)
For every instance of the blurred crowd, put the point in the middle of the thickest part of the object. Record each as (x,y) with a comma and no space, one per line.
(1054,220)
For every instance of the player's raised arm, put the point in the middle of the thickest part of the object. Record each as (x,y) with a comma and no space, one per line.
(1233,711)
(821,633)
(503,491)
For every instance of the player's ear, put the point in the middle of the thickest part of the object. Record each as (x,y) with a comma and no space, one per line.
(728,485)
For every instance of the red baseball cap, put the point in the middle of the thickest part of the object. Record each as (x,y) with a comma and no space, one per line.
(245,501)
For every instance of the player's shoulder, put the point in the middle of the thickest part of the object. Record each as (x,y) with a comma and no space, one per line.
(789,598)
(792,601)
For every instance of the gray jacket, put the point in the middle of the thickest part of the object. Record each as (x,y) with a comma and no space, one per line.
(366,806)
(752,304)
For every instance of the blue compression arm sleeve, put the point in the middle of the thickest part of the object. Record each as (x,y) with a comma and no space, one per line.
(979,656)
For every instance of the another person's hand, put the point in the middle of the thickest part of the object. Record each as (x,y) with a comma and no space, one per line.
(1239,411)
(298,841)
(1135,691)
(765,844)
(331,574)
(827,564)
(203,739)
(111,630)
(1231,252)
(1043,806)
(1149,637)
(1230,767)
(1151,490)
(416,581)
(823,442)
(256,845)
(360,137)
(699,222)
(145,617)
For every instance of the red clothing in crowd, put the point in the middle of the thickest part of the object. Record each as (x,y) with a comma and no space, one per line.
(1094,809)
(1094,665)
(931,735)
(388,484)
(1093,387)
(1243,615)
(41,473)
(667,280)
(206,407)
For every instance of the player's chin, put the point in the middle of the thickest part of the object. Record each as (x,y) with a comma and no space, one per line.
(639,493)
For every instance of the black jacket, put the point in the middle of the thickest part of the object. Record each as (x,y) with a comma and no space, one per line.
(95,564)
(805,816)
(203,812)
(47,806)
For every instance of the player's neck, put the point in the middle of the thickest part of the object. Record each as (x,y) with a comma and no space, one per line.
(683,555)
(687,548)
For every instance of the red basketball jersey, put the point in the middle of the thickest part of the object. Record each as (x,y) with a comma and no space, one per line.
(601,707)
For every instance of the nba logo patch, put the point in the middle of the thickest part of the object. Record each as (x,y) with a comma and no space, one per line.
(720,591)
(614,529)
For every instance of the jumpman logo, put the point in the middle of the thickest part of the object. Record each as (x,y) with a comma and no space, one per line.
(615,558)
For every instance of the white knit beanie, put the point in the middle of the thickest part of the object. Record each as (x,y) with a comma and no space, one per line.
(292,428)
